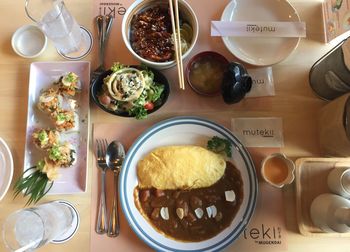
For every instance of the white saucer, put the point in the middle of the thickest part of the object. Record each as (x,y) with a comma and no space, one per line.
(73,229)
(6,168)
(260,51)
(85,49)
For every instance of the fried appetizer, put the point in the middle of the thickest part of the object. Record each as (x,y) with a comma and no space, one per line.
(68,84)
(49,167)
(62,154)
(45,138)
(49,100)
(63,119)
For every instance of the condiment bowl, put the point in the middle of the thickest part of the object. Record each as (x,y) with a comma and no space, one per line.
(204,72)
(29,41)
(278,170)
(187,14)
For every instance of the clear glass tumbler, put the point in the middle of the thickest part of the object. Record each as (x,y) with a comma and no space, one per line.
(31,228)
(53,18)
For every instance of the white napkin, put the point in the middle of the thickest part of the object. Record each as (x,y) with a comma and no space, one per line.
(263,84)
(259,131)
(258,29)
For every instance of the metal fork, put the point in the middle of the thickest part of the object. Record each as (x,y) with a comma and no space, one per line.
(101,225)
(104,25)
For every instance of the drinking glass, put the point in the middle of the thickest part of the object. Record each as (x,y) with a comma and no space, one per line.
(53,18)
(31,228)
(338,181)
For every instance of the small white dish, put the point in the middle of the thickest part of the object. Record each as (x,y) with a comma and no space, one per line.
(29,41)
(6,168)
(260,51)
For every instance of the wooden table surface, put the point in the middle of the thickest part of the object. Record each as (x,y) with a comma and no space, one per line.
(294,102)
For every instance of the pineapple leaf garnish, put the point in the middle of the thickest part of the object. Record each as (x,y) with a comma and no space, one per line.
(33,185)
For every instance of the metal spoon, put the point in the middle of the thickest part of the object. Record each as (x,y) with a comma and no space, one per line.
(115,157)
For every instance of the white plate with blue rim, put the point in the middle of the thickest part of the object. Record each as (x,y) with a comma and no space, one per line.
(186,131)
(6,168)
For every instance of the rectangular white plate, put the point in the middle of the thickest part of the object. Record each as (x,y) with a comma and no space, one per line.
(42,74)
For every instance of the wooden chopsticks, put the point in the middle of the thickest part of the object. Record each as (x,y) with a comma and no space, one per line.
(175,22)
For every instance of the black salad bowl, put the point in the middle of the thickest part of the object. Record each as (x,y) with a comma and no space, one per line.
(96,89)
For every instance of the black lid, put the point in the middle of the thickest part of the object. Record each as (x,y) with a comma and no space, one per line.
(236,83)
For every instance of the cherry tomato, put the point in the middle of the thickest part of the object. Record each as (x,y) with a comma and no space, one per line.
(105,100)
(149,106)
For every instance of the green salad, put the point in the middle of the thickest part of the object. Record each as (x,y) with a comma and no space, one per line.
(131,90)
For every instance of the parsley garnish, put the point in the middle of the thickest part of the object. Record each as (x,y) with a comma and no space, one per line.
(220,146)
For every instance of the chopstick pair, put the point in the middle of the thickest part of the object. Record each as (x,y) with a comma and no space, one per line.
(175,23)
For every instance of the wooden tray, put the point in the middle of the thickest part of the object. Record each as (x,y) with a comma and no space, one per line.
(311,181)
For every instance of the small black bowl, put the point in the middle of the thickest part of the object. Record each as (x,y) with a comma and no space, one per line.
(96,87)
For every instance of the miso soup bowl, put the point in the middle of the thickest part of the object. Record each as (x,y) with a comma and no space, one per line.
(140,5)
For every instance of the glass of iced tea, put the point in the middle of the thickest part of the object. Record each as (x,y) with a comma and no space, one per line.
(71,40)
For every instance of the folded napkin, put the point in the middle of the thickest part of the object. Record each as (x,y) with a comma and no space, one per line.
(258,29)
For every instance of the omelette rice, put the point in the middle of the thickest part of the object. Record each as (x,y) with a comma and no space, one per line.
(180,167)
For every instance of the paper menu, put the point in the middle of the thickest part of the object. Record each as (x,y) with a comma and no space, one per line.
(336,19)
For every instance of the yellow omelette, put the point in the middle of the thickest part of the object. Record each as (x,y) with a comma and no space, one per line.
(180,167)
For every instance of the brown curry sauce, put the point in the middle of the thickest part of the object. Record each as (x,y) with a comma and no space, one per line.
(191,228)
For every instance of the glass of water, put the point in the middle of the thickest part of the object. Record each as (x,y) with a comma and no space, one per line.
(53,18)
(31,228)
